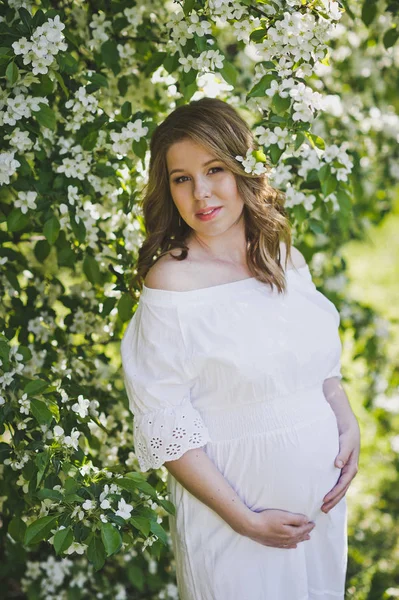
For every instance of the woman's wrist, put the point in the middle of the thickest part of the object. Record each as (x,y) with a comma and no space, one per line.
(247,524)
(349,423)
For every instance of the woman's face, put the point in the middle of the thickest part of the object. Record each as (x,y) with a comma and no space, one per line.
(200,182)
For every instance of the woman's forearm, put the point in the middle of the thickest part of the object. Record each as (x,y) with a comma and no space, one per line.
(336,396)
(199,475)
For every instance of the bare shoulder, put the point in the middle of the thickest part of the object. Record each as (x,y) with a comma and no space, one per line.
(296,259)
(169,274)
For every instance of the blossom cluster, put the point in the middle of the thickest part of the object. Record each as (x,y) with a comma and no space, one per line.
(19,106)
(8,166)
(297,36)
(251,164)
(122,141)
(78,165)
(83,109)
(44,44)
(209,60)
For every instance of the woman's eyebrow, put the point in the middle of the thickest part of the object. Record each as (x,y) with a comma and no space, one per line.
(208,162)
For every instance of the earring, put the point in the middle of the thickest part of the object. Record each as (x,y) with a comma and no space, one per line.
(179,221)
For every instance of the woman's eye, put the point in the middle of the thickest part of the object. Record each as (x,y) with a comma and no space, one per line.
(180,179)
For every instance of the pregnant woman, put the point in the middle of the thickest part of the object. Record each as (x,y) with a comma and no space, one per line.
(232,368)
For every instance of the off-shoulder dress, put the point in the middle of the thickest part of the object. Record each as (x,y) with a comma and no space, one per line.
(238,369)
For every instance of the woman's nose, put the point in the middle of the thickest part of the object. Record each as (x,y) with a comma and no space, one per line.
(201,189)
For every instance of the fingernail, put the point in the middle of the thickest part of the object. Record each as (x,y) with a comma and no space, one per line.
(340,463)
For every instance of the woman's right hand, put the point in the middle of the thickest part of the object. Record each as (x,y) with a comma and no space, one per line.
(278,528)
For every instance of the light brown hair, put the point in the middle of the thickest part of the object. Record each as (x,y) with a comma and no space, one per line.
(219,128)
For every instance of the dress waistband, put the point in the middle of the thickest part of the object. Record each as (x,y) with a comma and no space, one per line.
(290,411)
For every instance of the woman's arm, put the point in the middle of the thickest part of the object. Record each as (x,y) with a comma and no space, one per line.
(349,440)
(339,402)
(200,476)
(271,527)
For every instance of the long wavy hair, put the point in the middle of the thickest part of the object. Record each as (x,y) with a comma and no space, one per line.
(216,126)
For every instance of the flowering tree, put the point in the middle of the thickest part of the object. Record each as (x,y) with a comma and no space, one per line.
(84,86)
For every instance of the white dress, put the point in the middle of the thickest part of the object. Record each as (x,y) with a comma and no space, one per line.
(238,369)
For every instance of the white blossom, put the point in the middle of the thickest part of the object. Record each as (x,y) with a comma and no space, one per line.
(20,140)
(251,165)
(81,406)
(124,509)
(25,404)
(26,201)
(8,166)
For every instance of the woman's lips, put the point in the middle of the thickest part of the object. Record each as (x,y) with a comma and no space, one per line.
(209,216)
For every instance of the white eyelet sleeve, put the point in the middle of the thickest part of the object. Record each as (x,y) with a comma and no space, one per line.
(157,381)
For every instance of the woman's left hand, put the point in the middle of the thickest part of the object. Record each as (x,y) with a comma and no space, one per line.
(347,460)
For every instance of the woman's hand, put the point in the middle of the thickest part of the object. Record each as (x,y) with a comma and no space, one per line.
(279,528)
(347,459)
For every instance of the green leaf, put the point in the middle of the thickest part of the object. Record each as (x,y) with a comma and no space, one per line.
(25,17)
(155,61)
(189,77)
(136,577)
(62,540)
(258,34)
(91,269)
(98,80)
(17,220)
(188,6)
(111,538)
(78,229)
(159,531)
(167,505)
(329,185)
(12,72)
(171,62)
(369,11)
(60,80)
(390,37)
(229,73)
(41,461)
(65,257)
(315,140)
(259,88)
(110,56)
(47,493)
(89,142)
(16,529)
(140,147)
(67,62)
(125,307)
(39,530)
(13,279)
(141,523)
(108,305)
(42,250)
(126,109)
(281,105)
(96,552)
(300,138)
(315,226)
(129,485)
(40,411)
(36,386)
(323,173)
(344,201)
(51,229)
(275,153)
(45,116)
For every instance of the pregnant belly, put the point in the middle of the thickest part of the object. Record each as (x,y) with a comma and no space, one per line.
(289,468)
